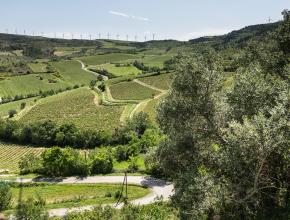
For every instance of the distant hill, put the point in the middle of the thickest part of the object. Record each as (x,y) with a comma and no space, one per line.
(238,38)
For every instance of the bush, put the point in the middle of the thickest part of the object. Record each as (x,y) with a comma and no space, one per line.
(102,162)
(5,196)
(32,209)
(11,113)
(30,163)
(133,166)
(22,105)
(63,162)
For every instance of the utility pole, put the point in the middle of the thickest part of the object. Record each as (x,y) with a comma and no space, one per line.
(127,37)
(118,36)
(6,30)
(153,36)
(136,38)
(145,38)
(90,37)
(24,32)
(81,36)
(108,36)
(269,20)
(72,36)
(99,36)
(62,35)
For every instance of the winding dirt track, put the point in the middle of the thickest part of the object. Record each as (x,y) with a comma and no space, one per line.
(159,189)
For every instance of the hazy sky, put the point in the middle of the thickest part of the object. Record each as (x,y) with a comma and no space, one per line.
(174,19)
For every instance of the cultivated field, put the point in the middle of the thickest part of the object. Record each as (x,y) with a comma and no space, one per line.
(10,155)
(106,58)
(119,70)
(131,91)
(78,107)
(4,108)
(162,81)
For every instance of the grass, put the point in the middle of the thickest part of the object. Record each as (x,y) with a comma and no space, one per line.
(155,60)
(162,81)
(74,195)
(123,165)
(38,67)
(119,71)
(4,108)
(131,91)
(106,58)
(78,107)
(28,84)
(71,72)
(10,155)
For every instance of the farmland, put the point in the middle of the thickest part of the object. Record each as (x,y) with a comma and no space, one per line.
(106,58)
(162,81)
(38,67)
(118,70)
(76,107)
(132,91)
(10,155)
(4,108)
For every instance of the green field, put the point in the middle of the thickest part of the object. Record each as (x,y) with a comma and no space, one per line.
(78,107)
(4,108)
(74,195)
(162,81)
(119,71)
(123,165)
(38,67)
(155,61)
(10,155)
(131,91)
(106,58)
(71,71)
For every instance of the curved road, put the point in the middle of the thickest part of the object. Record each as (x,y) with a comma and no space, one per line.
(159,189)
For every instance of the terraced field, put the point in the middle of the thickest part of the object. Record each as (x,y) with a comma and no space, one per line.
(106,58)
(10,155)
(78,107)
(162,81)
(131,91)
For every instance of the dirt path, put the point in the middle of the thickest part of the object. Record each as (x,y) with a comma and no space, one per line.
(159,189)
(148,86)
(83,67)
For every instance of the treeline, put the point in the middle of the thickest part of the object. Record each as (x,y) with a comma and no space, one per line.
(48,133)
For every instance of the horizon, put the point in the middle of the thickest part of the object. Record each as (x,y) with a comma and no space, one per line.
(128,21)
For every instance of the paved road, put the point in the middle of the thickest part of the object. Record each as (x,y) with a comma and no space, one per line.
(159,188)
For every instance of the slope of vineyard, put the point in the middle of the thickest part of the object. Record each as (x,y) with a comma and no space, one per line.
(10,155)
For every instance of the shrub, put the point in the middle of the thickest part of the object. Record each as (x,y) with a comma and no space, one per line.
(5,196)
(11,113)
(133,166)
(102,162)
(32,209)
(22,105)
(30,163)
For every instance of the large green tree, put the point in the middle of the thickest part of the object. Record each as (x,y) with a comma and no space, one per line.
(227,150)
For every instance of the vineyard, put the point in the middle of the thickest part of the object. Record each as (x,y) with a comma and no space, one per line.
(10,155)
(162,81)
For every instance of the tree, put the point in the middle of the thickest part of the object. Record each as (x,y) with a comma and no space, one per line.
(5,195)
(227,151)
(22,105)
(32,209)
(93,83)
(102,162)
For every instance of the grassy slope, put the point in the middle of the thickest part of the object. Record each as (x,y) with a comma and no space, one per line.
(76,106)
(162,81)
(131,91)
(71,72)
(4,108)
(69,195)
(38,67)
(150,109)
(106,58)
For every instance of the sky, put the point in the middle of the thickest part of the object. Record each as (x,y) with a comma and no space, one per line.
(137,19)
